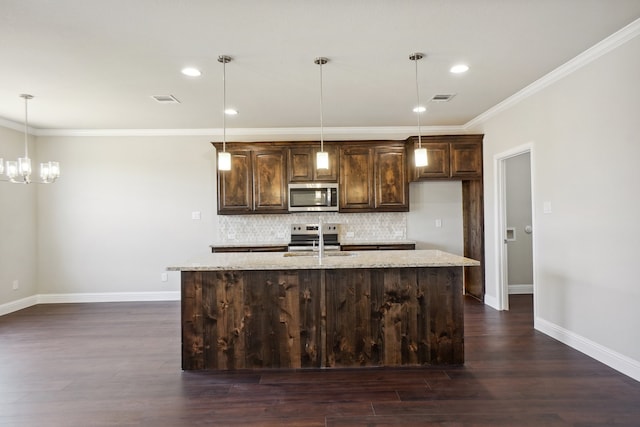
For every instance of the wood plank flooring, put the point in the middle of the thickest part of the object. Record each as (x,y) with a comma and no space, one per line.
(118,364)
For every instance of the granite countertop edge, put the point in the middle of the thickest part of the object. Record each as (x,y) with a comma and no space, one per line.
(355,259)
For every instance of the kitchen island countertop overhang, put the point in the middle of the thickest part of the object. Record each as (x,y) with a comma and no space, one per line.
(340,260)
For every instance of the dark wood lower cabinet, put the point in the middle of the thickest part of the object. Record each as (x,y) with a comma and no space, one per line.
(322,318)
(379,247)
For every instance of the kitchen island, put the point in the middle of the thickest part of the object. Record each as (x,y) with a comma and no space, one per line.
(346,309)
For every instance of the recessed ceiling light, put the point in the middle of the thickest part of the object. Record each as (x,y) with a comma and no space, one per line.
(191,72)
(459,69)
(230,112)
(419,109)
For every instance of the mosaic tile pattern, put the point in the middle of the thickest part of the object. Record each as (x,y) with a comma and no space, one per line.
(262,229)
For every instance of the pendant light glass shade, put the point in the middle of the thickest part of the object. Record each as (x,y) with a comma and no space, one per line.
(322,157)
(224,158)
(19,172)
(224,161)
(322,160)
(419,154)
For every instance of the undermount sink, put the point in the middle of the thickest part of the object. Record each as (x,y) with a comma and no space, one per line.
(315,254)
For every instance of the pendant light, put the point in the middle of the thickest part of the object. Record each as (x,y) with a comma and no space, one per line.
(322,157)
(19,172)
(224,158)
(420,154)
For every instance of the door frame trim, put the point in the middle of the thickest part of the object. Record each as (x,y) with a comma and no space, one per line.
(499,164)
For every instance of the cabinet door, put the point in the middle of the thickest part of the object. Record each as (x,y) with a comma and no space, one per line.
(269,181)
(302,164)
(235,194)
(466,160)
(438,157)
(391,183)
(356,179)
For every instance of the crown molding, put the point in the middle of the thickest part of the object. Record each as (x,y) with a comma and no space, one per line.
(9,124)
(245,134)
(607,45)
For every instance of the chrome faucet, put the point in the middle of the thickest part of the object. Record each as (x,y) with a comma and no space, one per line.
(320,241)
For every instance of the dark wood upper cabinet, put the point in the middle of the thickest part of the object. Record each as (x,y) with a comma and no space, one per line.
(302,163)
(450,156)
(373,177)
(257,181)
(438,155)
(391,183)
(356,179)
(270,180)
(235,187)
(466,159)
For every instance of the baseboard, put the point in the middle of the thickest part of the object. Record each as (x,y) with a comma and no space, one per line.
(520,289)
(108,297)
(20,304)
(614,360)
(491,301)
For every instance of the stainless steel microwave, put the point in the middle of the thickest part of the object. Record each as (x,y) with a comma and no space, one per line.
(313,197)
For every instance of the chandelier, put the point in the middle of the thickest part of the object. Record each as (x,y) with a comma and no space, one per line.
(19,171)
(420,154)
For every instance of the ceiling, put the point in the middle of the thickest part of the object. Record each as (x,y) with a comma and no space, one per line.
(97,64)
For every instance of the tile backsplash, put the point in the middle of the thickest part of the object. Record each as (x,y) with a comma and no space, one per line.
(354,227)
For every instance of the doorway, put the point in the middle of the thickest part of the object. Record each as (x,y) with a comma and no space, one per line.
(514,229)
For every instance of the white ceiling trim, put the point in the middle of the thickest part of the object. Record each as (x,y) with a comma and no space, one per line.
(17,126)
(306,133)
(605,46)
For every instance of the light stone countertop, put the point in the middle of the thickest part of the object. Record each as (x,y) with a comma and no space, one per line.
(331,260)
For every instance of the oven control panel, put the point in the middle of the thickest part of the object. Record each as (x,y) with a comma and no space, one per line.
(313,229)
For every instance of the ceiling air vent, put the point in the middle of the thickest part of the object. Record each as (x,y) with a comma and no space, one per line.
(442,98)
(166,99)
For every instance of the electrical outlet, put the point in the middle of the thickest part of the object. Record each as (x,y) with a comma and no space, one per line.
(164,277)
(350,234)
(196,215)
(16,285)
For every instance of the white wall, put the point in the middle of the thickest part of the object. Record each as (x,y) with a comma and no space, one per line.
(586,151)
(121,212)
(17,226)
(431,201)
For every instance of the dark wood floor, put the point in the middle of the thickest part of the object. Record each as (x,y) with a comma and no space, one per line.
(118,364)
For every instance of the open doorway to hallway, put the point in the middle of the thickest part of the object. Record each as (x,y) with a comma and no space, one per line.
(519,228)
(515,230)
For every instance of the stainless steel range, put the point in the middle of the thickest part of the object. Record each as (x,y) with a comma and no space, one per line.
(305,237)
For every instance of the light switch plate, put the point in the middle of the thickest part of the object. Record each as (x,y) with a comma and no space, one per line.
(196,215)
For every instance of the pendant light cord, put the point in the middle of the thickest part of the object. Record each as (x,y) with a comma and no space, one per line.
(416,59)
(26,127)
(224,105)
(321,113)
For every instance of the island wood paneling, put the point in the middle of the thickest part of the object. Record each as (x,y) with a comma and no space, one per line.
(442,315)
(322,318)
